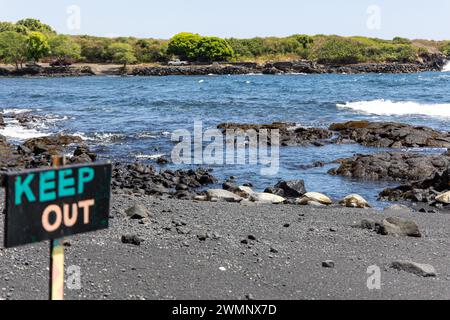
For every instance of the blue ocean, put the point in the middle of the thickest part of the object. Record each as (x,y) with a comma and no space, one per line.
(132,118)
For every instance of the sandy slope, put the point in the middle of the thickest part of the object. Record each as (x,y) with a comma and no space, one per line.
(172,263)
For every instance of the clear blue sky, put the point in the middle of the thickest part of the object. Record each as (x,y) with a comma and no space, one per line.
(241,18)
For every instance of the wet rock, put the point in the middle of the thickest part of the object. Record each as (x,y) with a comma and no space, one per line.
(421,191)
(398,227)
(423,270)
(354,201)
(2,122)
(82,154)
(290,189)
(290,134)
(53,145)
(391,134)
(392,166)
(314,197)
(162,160)
(132,239)
(138,176)
(137,212)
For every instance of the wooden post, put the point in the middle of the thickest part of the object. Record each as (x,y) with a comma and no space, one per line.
(56,289)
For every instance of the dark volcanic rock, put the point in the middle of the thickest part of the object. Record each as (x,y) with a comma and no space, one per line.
(391,135)
(421,191)
(398,227)
(2,122)
(145,178)
(290,134)
(52,144)
(191,70)
(132,239)
(288,189)
(394,166)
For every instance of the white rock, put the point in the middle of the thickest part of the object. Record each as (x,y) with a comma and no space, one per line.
(444,197)
(267,198)
(223,195)
(354,201)
(314,197)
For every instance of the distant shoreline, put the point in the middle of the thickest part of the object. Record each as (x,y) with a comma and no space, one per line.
(243,68)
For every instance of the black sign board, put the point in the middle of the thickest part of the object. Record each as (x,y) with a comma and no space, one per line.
(53,203)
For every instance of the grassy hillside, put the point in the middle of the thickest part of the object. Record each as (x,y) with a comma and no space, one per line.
(329,49)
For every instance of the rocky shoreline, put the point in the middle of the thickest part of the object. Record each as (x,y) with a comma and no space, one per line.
(182,234)
(412,169)
(435,63)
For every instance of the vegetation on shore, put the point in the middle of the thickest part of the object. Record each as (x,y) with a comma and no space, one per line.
(30,40)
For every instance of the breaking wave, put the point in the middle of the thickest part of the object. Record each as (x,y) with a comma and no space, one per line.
(389,108)
(446,68)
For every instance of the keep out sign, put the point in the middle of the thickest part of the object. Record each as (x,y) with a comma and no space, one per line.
(53,203)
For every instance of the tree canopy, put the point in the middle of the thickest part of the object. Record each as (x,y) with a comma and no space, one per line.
(122,53)
(193,47)
(13,48)
(35,25)
(64,48)
(37,46)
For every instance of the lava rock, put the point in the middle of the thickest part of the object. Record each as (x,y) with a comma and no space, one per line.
(423,270)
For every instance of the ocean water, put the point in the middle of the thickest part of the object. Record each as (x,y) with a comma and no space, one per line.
(132,118)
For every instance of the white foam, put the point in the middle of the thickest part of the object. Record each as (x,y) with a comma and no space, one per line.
(149,156)
(15,111)
(446,68)
(389,108)
(18,132)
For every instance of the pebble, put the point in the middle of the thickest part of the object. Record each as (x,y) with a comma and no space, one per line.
(132,239)
(328,264)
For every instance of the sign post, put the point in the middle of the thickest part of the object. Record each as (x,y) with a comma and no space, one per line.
(56,288)
(53,203)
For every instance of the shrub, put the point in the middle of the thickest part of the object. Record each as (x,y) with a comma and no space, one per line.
(341,51)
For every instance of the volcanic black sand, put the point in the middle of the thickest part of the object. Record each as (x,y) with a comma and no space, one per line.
(206,250)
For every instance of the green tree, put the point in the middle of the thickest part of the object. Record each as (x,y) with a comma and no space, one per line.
(122,53)
(35,25)
(212,49)
(64,48)
(184,45)
(37,46)
(9,26)
(13,48)
(304,40)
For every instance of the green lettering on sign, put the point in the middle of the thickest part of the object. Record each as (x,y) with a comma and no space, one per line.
(85,175)
(23,188)
(66,185)
(47,183)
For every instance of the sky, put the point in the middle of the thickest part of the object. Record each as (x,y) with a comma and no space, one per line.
(415,19)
